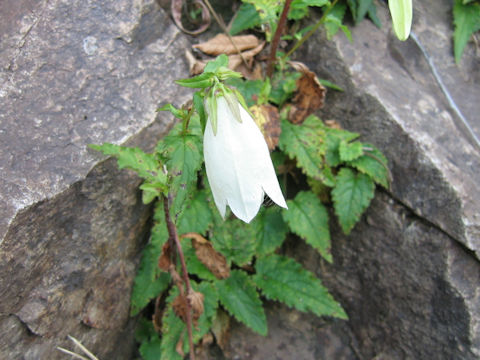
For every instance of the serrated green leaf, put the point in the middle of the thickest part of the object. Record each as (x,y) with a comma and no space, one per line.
(149,340)
(283,279)
(201,81)
(306,144)
(349,151)
(334,19)
(246,17)
(308,218)
(332,143)
(351,196)
(240,298)
(235,240)
(466,18)
(374,164)
(145,165)
(270,229)
(150,191)
(197,215)
(184,158)
(150,281)
(213,65)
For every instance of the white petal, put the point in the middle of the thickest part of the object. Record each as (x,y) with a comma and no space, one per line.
(238,164)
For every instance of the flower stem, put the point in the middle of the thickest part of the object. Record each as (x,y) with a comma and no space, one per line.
(173,238)
(311,32)
(276,38)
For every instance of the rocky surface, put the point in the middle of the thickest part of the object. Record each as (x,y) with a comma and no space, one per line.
(71,224)
(408,273)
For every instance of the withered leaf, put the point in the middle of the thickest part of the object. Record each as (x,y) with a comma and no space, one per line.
(213,260)
(180,307)
(309,97)
(165,259)
(221,44)
(195,65)
(235,59)
(220,328)
(268,120)
(176,8)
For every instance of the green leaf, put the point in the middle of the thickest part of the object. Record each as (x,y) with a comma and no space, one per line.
(173,331)
(308,218)
(372,14)
(149,340)
(330,85)
(145,165)
(306,144)
(235,240)
(466,18)
(210,306)
(185,157)
(150,281)
(374,164)
(351,196)
(283,87)
(239,296)
(299,8)
(213,65)
(201,81)
(362,9)
(350,150)
(250,89)
(334,19)
(197,215)
(247,17)
(333,139)
(401,12)
(270,229)
(283,279)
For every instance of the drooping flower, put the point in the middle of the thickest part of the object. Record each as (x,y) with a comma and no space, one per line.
(237,159)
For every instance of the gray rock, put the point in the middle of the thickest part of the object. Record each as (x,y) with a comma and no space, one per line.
(71,224)
(409,272)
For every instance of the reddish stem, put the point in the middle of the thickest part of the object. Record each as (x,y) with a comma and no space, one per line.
(173,238)
(276,38)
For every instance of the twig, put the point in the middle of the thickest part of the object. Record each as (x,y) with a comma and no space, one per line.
(83,348)
(312,31)
(173,238)
(222,25)
(276,38)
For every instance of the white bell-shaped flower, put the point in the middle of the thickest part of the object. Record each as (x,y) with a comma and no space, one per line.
(237,160)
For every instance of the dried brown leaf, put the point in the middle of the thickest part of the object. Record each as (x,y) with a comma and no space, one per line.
(268,120)
(213,260)
(235,59)
(333,124)
(221,44)
(196,302)
(309,97)
(195,65)
(165,259)
(177,7)
(221,329)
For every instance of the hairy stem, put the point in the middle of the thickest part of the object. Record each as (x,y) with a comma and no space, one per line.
(173,238)
(312,31)
(276,38)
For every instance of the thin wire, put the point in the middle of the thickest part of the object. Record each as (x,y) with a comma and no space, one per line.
(444,89)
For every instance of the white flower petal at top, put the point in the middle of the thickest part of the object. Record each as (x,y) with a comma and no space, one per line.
(238,164)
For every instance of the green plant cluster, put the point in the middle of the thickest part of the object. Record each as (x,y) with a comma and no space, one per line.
(335,166)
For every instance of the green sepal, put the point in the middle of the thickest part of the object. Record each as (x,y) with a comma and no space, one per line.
(232,102)
(211,105)
(198,103)
(201,81)
(224,73)
(178,113)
